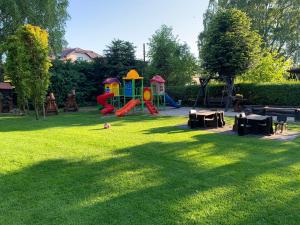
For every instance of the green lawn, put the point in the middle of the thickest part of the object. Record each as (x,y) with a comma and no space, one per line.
(144,170)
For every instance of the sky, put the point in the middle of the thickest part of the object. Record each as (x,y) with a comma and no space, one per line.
(95,23)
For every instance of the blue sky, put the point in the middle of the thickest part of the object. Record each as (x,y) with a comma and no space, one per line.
(94,23)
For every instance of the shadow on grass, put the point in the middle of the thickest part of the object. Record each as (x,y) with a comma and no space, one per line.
(28,123)
(200,182)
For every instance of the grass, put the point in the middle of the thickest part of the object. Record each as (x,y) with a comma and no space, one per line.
(144,170)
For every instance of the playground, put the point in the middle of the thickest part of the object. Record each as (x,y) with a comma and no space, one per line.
(68,169)
(134,96)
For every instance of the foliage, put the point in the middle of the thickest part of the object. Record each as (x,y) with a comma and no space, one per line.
(28,58)
(270,68)
(82,76)
(277,21)
(120,56)
(150,170)
(48,14)
(15,69)
(228,46)
(87,77)
(284,93)
(170,58)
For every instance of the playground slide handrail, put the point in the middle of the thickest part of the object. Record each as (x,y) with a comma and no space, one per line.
(152,109)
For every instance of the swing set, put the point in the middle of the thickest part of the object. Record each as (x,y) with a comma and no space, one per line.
(209,101)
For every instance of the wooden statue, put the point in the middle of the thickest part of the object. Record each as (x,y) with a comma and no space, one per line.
(51,106)
(71,104)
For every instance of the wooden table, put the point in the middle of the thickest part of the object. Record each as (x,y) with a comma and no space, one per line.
(206,119)
(255,124)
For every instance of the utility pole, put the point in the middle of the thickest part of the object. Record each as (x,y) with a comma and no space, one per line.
(144,58)
(144,52)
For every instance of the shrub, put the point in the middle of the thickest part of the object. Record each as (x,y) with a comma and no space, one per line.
(283,94)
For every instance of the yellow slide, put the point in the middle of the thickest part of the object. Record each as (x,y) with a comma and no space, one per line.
(126,109)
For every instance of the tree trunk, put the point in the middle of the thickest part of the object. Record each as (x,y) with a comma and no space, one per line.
(36,109)
(1,69)
(230,86)
(44,111)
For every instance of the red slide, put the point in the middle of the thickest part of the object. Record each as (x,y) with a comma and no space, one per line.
(126,109)
(101,99)
(152,109)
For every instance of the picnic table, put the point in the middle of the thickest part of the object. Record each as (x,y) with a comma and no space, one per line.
(206,119)
(254,124)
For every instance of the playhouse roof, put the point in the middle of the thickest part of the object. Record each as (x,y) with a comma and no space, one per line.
(111,80)
(157,79)
(133,75)
(5,86)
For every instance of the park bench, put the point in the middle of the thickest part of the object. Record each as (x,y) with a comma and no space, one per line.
(275,111)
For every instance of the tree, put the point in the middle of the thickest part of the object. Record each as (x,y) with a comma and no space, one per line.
(120,56)
(170,58)
(277,21)
(228,46)
(269,68)
(48,14)
(15,69)
(28,64)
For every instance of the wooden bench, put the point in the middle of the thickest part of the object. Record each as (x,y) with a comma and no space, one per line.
(276,111)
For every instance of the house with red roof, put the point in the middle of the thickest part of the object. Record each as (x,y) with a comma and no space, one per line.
(78,54)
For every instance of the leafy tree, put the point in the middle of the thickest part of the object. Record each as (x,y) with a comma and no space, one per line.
(269,68)
(28,56)
(15,69)
(277,21)
(170,58)
(48,14)
(120,56)
(228,46)
(85,77)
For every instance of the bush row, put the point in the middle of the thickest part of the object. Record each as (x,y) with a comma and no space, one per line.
(281,94)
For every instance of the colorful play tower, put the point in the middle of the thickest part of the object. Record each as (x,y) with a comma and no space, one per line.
(134,94)
(133,85)
(158,91)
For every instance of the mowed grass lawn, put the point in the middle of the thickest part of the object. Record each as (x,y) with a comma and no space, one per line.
(144,170)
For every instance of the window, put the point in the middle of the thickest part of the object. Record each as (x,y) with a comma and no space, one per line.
(79,58)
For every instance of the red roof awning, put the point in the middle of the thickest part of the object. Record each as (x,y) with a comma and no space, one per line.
(157,79)
(5,86)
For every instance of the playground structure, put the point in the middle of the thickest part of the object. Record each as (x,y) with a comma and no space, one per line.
(133,95)
(102,100)
(148,98)
(160,97)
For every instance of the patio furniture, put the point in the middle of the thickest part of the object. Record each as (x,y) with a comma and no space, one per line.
(281,124)
(254,124)
(275,111)
(206,119)
(297,115)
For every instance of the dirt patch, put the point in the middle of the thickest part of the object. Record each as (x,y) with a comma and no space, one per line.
(227,129)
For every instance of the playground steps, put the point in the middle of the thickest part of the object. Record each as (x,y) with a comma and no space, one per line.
(152,109)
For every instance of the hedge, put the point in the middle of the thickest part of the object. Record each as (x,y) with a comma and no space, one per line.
(281,94)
